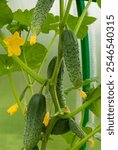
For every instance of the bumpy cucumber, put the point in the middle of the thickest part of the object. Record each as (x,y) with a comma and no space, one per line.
(34,121)
(40,13)
(61,127)
(51,67)
(74,127)
(70,50)
(59,87)
(59,84)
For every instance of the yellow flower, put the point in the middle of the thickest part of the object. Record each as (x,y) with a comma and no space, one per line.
(46,119)
(33,40)
(13,109)
(66,109)
(91,142)
(13,43)
(83,94)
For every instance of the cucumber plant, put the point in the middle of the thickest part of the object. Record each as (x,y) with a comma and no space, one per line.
(47,112)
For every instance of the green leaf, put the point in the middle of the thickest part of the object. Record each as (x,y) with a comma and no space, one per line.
(68,137)
(3,1)
(99,3)
(34,56)
(50,23)
(15,26)
(23,17)
(72,21)
(6,15)
(87,130)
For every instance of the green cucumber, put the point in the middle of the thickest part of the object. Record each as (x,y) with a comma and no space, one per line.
(40,13)
(34,121)
(70,50)
(59,84)
(51,67)
(59,87)
(74,127)
(61,127)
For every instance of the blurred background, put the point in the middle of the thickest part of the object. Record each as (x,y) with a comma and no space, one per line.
(11,127)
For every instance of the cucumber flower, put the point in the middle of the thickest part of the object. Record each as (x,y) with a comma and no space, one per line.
(13,109)
(91,142)
(33,40)
(46,119)
(83,94)
(13,43)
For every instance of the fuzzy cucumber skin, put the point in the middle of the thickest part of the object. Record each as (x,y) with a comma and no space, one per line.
(40,13)
(74,127)
(70,48)
(59,84)
(51,67)
(34,121)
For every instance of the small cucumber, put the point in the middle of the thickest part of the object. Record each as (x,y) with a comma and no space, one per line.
(59,84)
(59,87)
(61,127)
(74,127)
(70,50)
(34,121)
(40,13)
(51,67)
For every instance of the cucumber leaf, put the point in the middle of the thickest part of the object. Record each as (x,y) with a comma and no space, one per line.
(15,26)
(23,17)
(6,14)
(48,25)
(72,21)
(34,56)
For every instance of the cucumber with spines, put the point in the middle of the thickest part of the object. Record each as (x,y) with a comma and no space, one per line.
(34,121)
(74,127)
(59,86)
(59,83)
(51,67)
(70,50)
(39,16)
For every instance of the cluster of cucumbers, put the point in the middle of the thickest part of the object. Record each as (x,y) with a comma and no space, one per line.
(36,110)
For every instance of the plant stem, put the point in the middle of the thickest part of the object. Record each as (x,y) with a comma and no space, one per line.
(27,75)
(15,93)
(77,27)
(48,49)
(64,20)
(61,9)
(48,132)
(85,139)
(28,70)
(78,110)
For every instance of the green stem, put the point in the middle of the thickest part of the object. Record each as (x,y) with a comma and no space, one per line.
(15,93)
(48,49)
(23,93)
(48,132)
(64,20)
(78,110)
(54,97)
(27,75)
(61,9)
(84,140)
(80,20)
(26,39)
(28,70)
